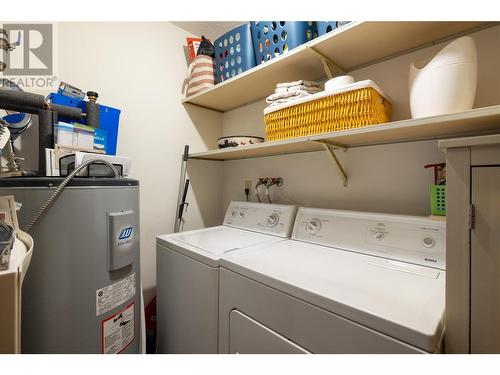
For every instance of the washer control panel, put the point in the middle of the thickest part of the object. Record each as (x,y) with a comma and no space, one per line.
(274,219)
(412,239)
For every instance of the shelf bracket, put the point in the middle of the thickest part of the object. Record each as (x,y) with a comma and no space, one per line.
(331,153)
(331,69)
(332,144)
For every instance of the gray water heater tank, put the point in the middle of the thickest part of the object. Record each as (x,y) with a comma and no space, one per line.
(82,292)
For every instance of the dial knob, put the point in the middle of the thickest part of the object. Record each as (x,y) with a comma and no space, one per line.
(234,213)
(379,236)
(242,214)
(273,220)
(429,242)
(313,226)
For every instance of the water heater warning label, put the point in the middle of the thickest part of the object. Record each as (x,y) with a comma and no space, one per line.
(118,331)
(114,295)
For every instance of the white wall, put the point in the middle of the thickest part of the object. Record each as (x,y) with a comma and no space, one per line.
(381,178)
(139,68)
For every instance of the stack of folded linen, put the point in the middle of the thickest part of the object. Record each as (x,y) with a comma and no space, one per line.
(286,92)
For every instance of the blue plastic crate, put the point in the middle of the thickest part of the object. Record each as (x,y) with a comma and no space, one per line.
(234,53)
(327,26)
(274,38)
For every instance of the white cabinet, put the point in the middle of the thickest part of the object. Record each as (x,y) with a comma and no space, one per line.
(11,281)
(485,261)
(473,245)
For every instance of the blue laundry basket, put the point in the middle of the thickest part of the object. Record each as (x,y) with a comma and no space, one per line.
(327,26)
(234,53)
(274,38)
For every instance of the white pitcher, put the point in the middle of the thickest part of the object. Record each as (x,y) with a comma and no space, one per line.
(447,83)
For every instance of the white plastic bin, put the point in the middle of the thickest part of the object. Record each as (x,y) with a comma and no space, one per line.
(11,281)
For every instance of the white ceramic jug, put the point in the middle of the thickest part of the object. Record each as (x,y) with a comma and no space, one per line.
(447,83)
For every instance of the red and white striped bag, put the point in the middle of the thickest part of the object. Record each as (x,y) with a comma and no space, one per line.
(201,74)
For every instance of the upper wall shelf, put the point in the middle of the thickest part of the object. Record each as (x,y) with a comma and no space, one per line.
(474,122)
(350,47)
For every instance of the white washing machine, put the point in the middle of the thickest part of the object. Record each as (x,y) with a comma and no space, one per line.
(347,282)
(187,272)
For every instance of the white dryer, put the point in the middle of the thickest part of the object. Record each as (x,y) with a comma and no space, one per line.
(187,272)
(347,282)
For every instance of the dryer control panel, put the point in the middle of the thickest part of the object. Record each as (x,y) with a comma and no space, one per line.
(412,239)
(274,219)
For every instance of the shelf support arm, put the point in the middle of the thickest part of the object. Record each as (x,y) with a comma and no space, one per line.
(341,171)
(329,66)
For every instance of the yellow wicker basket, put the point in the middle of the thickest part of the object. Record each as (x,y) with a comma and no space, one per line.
(358,105)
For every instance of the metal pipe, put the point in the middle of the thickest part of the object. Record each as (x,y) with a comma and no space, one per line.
(260,182)
(67,112)
(267,194)
(10,156)
(21,98)
(278,181)
(19,108)
(21,101)
(46,121)
(93,114)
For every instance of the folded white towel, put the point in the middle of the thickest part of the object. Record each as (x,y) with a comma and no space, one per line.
(290,91)
(284,96)
(309,89)
(299,83)
(285,101)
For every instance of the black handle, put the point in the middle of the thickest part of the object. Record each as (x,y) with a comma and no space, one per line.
(183,203)
(186,153)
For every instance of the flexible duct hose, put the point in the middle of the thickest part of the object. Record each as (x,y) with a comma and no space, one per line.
(267,194)
(61,187)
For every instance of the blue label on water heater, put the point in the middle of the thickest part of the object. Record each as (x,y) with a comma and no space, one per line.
(125,233)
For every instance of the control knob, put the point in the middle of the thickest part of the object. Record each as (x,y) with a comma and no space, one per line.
(273,220)
(429,242)
(313,226)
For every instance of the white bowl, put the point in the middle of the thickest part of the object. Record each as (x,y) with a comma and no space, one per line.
(338,82)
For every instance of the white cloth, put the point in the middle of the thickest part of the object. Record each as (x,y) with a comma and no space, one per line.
(290,91)
(299,83)
(309,89)
(285,97)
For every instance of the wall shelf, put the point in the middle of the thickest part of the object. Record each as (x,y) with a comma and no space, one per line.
(350,47)
(474,122)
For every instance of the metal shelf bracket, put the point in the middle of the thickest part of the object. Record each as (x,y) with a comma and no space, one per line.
(329,149)
(331,69)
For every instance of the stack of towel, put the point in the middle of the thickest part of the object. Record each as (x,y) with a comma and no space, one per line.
(286,92)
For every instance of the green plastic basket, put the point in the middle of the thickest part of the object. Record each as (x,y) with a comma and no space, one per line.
(438,200)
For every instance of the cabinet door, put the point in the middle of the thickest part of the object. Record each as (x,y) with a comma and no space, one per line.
(485,261)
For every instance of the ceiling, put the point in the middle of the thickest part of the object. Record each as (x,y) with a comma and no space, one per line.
(210,29)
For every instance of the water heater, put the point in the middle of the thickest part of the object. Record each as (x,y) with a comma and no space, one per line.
(82,293)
